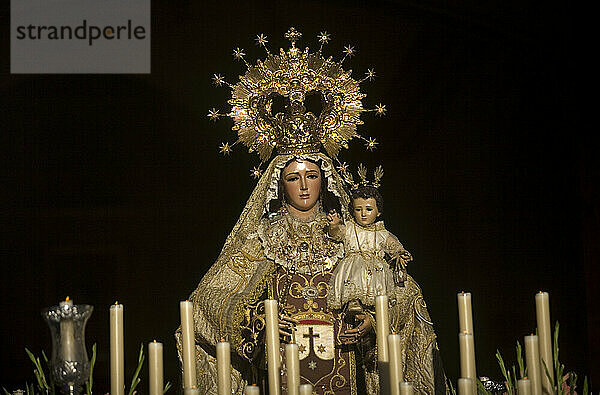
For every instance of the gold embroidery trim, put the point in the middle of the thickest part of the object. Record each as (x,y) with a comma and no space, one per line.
(239,309)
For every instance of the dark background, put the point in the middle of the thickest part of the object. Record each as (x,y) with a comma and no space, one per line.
(113,187)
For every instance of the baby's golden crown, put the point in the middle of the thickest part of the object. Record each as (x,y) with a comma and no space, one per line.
(362,175)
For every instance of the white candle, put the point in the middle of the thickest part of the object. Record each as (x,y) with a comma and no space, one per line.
(524,387)
(190,391)
(292,364)
(542,309)
(532,358)
(224,367)
(382,331)
(383,327)
(252,390)
(272,338)
(117,360)
(396,374)
(466,386)
(406,388)
(306,389)
(189,344)
(155,367)
(465,313)
(67,336)
(467,356)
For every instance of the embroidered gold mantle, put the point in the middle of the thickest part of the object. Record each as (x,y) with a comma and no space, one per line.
(227,301)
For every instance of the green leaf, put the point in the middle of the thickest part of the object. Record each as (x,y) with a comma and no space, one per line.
(90,381)
(585,386)
(514,376)
(167,387)
(38,372)
(135,380)
(558,368)
(547,373)
(6,391)
(51,381)
(504,372)
(522,368)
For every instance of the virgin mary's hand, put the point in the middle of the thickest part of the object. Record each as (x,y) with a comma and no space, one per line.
(352,336)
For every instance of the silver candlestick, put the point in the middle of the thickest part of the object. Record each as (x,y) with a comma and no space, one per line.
(70,365)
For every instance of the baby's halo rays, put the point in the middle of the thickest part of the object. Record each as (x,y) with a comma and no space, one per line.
(294,74)
(362,175)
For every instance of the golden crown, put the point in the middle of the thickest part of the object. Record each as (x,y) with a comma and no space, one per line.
(362,175)
(291,77)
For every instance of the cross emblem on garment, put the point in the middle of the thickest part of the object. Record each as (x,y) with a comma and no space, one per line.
(311,338)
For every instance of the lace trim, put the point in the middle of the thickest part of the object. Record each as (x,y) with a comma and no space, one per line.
(374,226)
(282,244)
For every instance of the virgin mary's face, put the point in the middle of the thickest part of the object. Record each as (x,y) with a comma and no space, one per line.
(302,184)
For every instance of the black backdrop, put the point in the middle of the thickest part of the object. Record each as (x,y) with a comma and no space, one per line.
(114,188)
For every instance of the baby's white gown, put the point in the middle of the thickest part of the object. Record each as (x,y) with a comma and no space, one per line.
(363,273)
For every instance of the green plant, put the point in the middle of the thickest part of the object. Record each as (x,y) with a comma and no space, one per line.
(39,374)
(90,380)
(509,376)
(45,384)
(136,379)
(562,384)
(51,380)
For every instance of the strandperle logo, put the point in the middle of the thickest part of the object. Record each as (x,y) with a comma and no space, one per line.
(84,31)
(80,36)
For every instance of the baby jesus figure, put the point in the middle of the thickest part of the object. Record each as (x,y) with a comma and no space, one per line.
(364,273)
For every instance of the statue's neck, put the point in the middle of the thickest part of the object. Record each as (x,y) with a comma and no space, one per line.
(303,216)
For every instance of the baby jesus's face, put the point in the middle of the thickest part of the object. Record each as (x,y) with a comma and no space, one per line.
(365,211)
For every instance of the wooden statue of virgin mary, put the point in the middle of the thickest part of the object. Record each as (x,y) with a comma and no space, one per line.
(280,249)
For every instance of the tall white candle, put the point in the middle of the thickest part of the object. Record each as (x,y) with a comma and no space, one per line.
(396,368)
(406,388)
(155,367)
(190,391)
(117,354)
(306,389)
(189,344)
(382,331)
(272,338)
(542,310)
(465,313)
(524,387)
(383,327)
(292,364)
(252,390)
(224,367)
(67,336)
(467,356)
(532,358)
(466,386)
